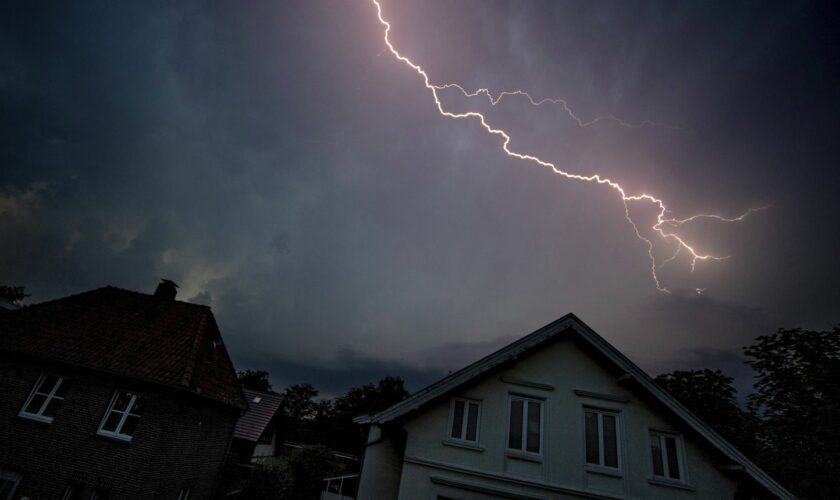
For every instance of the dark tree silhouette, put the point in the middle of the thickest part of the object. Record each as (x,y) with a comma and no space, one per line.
(798,400)
(710,395)
(256,380)
(14,294)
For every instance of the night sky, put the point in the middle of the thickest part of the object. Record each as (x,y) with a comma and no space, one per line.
(282,167)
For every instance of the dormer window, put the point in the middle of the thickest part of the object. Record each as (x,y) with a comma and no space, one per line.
(464,419)
(122,416)
(45,398)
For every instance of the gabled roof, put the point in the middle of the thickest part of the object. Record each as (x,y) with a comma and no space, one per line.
(262,407)
(572,325)
(129,334)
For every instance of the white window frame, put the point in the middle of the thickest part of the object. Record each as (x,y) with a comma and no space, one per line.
(524,443)
(184,494)
(661,435)
(51,395)
(600,412)
(464,421)
(12,477)
(116,434)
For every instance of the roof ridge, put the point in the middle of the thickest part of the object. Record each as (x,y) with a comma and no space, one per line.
(455,380)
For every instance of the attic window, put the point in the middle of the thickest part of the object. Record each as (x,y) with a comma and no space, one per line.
(463,420)
(256,399)
(667,453)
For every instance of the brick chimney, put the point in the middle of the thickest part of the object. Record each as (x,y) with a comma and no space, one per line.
(166,290)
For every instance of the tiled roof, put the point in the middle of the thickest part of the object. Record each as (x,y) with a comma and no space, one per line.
(262,407)
(135,335)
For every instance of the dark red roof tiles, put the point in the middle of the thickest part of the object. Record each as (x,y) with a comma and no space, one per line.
(131,334)
(262,407)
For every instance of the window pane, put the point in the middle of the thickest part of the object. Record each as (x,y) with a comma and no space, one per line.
(592,455)
(610,441)
(673,465)
(48,384)
(472,422)
(656,454)
(458,419)
(515,431)
(533,440)
(52,407)
(129,425)
(112,421)
(62,389)
(34,405)
(139,406)
(123,398)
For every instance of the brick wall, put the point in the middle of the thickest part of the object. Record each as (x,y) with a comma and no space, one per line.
(180,441)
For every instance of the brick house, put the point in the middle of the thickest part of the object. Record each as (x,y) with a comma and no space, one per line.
(114,394)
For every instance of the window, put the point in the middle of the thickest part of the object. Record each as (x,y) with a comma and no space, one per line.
(122,416)
(98,495)
(464,420)
(525,424)
(45,398)
(8,483)
(71,492)
(666,453)
(267,437)
(184,494)
(601,438)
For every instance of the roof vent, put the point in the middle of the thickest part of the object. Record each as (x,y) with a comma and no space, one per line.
(166,290)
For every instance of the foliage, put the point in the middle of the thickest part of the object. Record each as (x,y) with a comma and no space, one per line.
(298,475)
(371,398)
(14,294)
(299,402)
(309,466)
(270,480)
(255,380)
(798,400)
(330,422)
(710,395)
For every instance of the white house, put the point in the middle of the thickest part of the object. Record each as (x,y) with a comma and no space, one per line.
(559,413)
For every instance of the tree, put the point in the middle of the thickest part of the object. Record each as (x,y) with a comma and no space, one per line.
(255,380)
(797,399)
(369,398)
(14,294)
(299,402)
(710,395)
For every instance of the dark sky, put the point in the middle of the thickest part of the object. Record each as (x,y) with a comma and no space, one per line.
(276,163)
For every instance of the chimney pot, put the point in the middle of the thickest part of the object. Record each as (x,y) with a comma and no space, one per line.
(166,290)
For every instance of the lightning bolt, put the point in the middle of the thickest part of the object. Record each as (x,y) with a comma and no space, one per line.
(663,218)
(562,103)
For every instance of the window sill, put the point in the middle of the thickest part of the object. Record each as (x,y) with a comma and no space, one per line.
(670,484)
(462,444)
(603,471)
(35,418)
(526,457)
(115,437)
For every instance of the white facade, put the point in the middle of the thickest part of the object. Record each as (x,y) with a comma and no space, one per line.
(461,439)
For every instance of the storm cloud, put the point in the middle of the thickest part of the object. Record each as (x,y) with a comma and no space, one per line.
(275,163)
